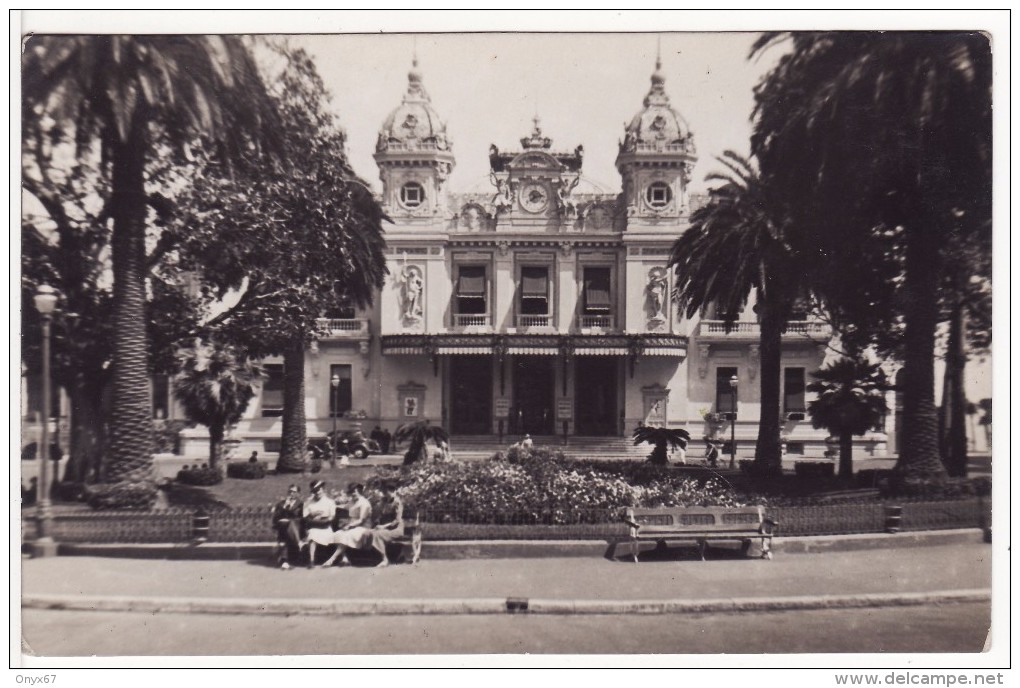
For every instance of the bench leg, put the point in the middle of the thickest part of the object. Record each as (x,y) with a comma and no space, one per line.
(416,547)
(702,547)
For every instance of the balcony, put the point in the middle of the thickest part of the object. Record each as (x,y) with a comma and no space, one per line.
(472,323)
(535,323)
(750,330)
(596,323)
(344,328)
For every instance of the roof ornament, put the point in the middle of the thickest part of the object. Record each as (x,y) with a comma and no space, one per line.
(536,140)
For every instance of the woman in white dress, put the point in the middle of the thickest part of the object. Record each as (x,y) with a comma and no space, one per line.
(318,512)
(357,533)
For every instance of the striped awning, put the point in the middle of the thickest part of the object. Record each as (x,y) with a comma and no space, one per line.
(664,351)
(405,350)
(533,350)
(462,350)
(601,351)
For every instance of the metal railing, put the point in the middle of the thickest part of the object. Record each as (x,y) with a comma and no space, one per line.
(740,328)
(459,521)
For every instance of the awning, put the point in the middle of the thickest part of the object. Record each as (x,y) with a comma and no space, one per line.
(534,283)
(664,351)
(533,350)
(471,282)
(404,350)
(462,350)
(601,351)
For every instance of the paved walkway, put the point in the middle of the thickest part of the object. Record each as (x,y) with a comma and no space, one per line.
(913,575)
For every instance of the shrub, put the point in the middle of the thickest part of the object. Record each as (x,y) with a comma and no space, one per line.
(814,469)
(745,465)
(873,477)
(202,476)
(136,495)
(248,470)
(946,489)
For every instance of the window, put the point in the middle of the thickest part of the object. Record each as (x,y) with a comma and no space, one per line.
(793,390)
(534,291)
(658,194)
(471,290)
(344,310)
(596,291)
(723,392)
(340,400)
(412,195)
(272,390)
(160,397)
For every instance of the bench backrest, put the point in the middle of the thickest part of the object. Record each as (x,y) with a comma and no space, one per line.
(696,518)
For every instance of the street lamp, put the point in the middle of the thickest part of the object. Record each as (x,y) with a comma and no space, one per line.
(334,382)
(733,421)
(45,302)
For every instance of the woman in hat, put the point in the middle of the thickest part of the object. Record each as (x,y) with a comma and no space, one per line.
(389,516)
(318,512)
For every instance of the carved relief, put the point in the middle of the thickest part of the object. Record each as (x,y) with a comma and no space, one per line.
(753,360)
(566,247)
(473,218)
(703,350)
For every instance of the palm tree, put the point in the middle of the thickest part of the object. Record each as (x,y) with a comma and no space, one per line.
(123,92)
(420,434)
(851,401)
(663,441)
(734,245)
(214,387)
(885,140)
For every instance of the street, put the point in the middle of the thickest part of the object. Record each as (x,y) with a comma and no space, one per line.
(930,629)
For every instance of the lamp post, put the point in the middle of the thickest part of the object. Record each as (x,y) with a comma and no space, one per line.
(334,382)
(733,422)
(45,302)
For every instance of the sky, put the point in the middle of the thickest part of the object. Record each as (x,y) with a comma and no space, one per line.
(583,86)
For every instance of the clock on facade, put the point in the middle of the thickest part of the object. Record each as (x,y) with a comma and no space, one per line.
(534,198)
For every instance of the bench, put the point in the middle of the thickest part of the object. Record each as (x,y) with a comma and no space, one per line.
(700,524)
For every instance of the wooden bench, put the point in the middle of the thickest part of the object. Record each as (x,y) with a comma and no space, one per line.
(700,524)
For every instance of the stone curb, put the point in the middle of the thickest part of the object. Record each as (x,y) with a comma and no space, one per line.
(512,549)
(405,607)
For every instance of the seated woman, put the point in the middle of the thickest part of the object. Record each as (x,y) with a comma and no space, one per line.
(390,519)
(357,533)
(318,513)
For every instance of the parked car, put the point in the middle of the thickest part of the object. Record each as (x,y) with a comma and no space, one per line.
(352,443)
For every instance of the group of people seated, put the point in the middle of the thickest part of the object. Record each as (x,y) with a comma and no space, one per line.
(318,522)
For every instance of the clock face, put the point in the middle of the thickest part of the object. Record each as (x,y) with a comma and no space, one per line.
(534,198)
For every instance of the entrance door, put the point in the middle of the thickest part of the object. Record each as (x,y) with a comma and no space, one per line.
(470,395)
(595,396)
(534,386)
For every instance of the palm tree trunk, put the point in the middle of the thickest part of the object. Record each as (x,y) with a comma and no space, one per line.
(131,431)
(292,452)
(919,459)
(768,455)
(954,400)
(87,430)
(215,444)
(846,455)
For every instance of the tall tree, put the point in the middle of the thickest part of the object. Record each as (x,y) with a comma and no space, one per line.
(735,245)
(215,385)
(885,141)
(116,90)
(289,242)
(851,401)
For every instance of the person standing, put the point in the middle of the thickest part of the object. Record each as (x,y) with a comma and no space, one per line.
(384,442)
(712,453)
(287,515)
(527,443)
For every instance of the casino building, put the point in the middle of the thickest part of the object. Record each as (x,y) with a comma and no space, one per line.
(541,304)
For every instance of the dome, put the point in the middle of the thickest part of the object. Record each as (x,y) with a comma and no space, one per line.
(657,124)
(414,124)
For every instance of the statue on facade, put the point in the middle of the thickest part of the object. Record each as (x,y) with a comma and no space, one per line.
(413,285)
(657,286)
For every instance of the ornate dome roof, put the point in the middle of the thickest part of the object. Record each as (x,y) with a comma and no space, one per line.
(414,124)
(657,124)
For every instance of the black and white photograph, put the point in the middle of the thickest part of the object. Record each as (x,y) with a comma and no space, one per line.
(632,340)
